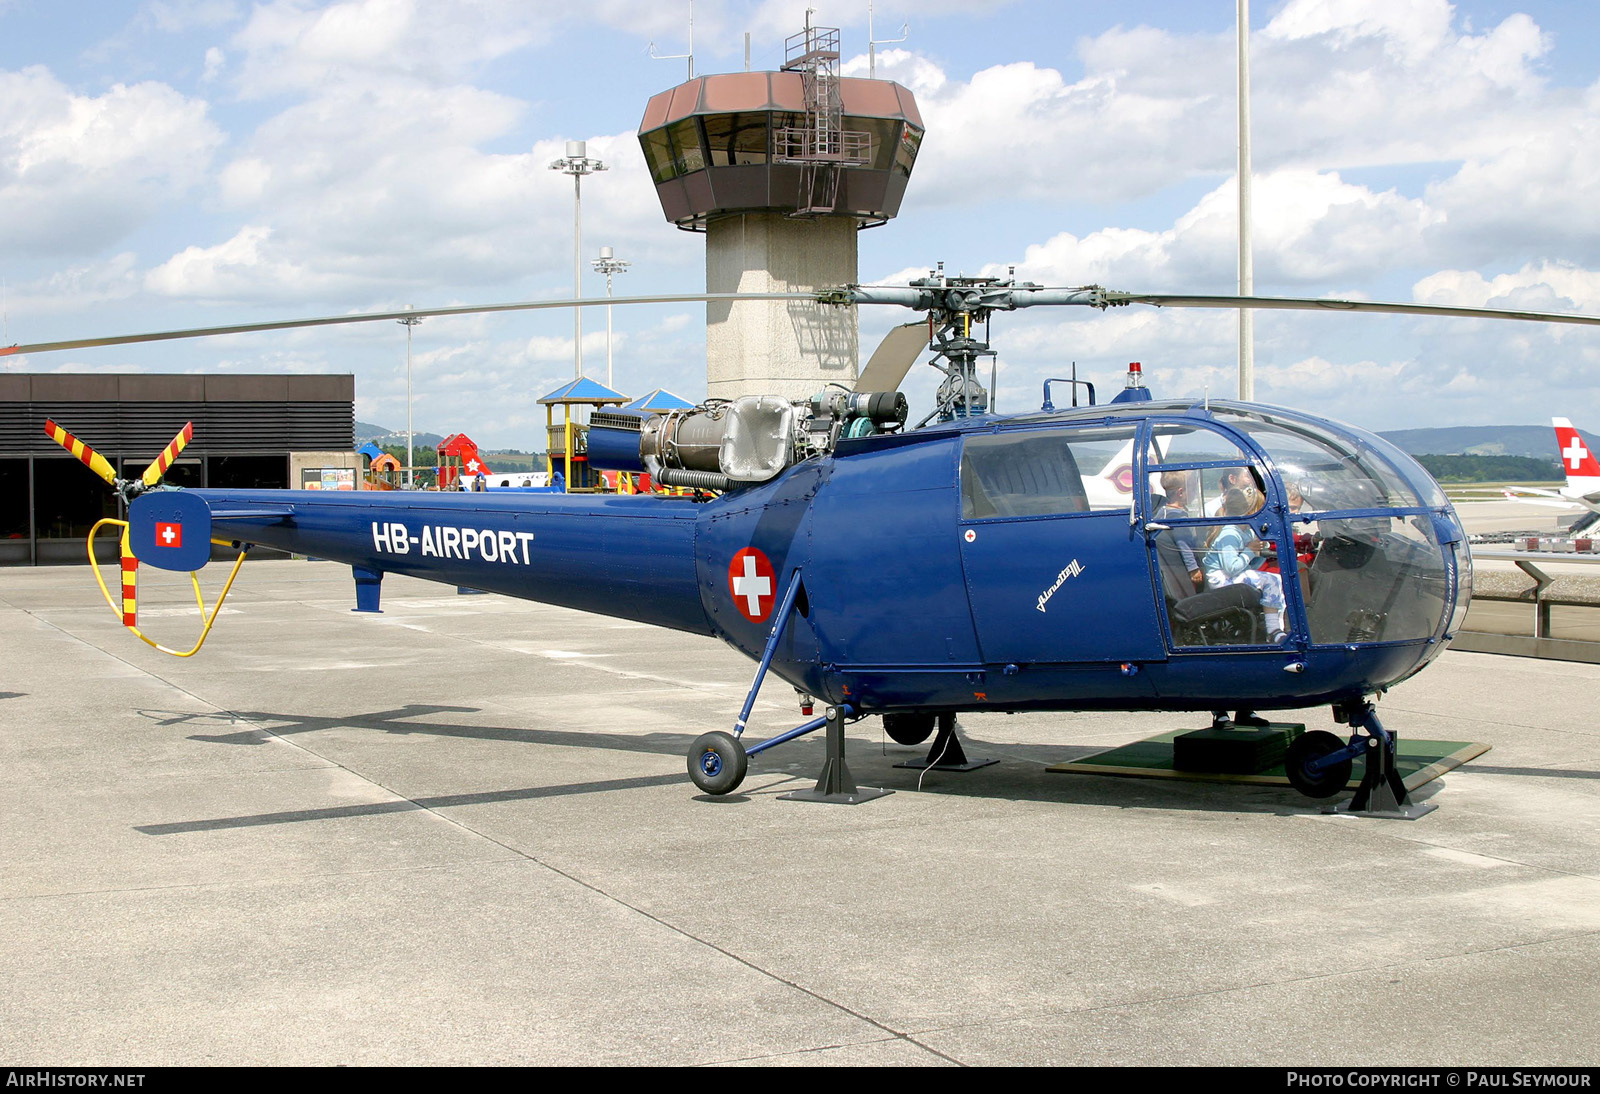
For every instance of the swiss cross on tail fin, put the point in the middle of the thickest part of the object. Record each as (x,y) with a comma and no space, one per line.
(1577,457)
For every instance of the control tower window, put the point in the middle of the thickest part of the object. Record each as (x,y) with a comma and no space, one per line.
(736,140)
(906,153)
(658,155)
(687,155)
(884,137)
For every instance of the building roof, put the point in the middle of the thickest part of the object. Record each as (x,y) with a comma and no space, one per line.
(583,390)
(659,399)
(737,92)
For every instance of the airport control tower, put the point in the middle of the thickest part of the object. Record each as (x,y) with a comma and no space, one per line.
(780,170)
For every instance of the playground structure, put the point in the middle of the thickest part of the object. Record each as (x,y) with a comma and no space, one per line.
(384,472)
(567,445)
(462,467)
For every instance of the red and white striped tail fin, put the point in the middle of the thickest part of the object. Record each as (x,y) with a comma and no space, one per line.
(1577,459)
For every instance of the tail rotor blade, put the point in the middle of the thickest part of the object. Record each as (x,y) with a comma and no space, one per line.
(89,457)
(159,465)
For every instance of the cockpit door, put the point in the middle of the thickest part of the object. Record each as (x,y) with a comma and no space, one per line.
(1215,541)
(1056,569)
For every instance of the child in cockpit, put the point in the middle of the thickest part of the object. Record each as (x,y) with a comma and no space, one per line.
(1233,555)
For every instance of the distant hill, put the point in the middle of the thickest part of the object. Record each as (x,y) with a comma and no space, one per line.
(383,435)
(1482,440)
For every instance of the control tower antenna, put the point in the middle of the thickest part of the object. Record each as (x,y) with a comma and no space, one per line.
(690,55)
(873,42)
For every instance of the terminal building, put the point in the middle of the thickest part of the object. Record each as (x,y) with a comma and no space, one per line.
(249,431)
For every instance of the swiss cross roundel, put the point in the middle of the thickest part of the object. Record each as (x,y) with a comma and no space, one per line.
(753,584)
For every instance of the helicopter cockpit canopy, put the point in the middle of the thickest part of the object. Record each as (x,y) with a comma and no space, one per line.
(1379,554)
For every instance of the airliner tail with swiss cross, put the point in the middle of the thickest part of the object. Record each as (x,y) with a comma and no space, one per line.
(1583,476)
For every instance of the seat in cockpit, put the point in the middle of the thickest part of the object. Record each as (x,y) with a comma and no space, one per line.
(1229,616)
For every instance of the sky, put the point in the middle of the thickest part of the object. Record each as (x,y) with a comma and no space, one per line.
(177,163)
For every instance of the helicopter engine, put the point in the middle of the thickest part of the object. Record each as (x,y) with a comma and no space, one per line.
(725,444)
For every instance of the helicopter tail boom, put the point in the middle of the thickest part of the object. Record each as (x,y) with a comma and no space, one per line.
(632,557)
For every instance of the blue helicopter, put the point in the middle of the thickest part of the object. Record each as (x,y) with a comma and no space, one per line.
(976,562)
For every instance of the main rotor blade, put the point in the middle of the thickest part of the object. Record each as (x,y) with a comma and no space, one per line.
(1111,298)
(374,317)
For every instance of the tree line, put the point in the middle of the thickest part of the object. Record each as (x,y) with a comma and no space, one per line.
(1492,468)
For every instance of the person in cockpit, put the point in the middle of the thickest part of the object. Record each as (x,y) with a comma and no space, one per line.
(1233,556)
(1179,486)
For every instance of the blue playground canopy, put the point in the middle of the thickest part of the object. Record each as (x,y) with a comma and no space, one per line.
(658,400)
(583,390)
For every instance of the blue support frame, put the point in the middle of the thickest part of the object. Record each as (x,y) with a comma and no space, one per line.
(780,624)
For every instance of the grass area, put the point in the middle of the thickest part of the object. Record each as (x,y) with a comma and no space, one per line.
(1489,491)
(515,462)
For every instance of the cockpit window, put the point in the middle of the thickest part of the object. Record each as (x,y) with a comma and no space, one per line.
(1219,466)
(1376,578)
(1047,473)
(1327,472)
(1381,579)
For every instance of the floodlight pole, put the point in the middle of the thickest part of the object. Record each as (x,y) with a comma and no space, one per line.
(577,164)
(1247,276)
(609,265)
(408,322)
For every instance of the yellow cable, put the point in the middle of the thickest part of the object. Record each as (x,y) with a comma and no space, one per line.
(199,599)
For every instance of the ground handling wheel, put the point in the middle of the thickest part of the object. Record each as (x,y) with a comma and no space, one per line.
(717,762)
(908,729)
(1326,781)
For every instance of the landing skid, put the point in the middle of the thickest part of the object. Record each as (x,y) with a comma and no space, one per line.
(947,753)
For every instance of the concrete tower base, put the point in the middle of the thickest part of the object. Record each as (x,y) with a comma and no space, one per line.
(790,348)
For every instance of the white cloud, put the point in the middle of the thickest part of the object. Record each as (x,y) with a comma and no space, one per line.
(292,45)
(389,184)
(1310,228)
(1545,286)
(78,173)
(216,60)
(1336,85)
(241,266)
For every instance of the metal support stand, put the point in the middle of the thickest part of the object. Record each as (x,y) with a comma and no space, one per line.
(369,587)
(947,753)
(1541,607)
(835,785)
(1382,792)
